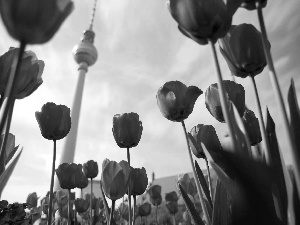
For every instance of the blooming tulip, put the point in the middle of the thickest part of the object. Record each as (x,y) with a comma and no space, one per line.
(82,181)
(172,207)
(54,121)
(29,77)
(144,209)
(115,178)
(242,48)
(138,181)
(201,20)
(90,169)
(32,200)
(68,175)
(171,197)
(34,21)
(81,205)
(251,4)
(127,129)
(176,101)
(235,94)
(155,195)
(252,127)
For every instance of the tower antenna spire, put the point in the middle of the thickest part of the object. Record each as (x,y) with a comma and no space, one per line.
(93,15)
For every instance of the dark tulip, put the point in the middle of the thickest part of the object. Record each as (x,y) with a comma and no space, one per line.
(87,197)
(29,77)
(32,200)
(127,129)
(54,121)
(171,197)
(81,205)
(251,4)
(172,207)
(90,169)
(234,92)
(242,48)
(176,101)
(155,195)
(34,21)
(115,178)
(252,127)
(144,209)
(67,174)
(138,181)
(201,20)
(82,181)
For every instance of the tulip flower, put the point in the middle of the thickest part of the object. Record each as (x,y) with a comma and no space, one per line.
(32,200)
(155,195)
(201,20)
(54,121)
(144,209)
(34,21)
(82,181)
(127,129)
(242,48)
(172,207)
(250,4)
(68,175)
(81,205)
(138,180)
(235,94)
(176,101)
(171,197)
(90,169)
(252,127)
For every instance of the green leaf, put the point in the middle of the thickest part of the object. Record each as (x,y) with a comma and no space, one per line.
(203,183)
(221,205)
(190,207)
(8,171)
(11,154)
(296,197)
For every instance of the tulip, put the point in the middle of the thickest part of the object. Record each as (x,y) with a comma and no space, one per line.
(81,205)
(243,51)
(155,195)
(115,178)
(32,200)
(176,101)
(29,77)
(82,181)
(235,94)
(195,141)
(172,207)
(68,174)
(138,181)
(144,209)
(90,169)
(201,20)
(250,4)
(127,129)
(34,21)
(171,197)
(54,121)
(88,198)
(252,127)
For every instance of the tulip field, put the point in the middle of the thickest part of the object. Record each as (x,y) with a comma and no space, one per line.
(252,186)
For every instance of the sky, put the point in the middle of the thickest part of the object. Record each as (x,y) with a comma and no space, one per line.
(139,49)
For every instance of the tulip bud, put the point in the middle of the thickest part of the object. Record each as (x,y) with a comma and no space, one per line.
(32,200)
(29,77)
(242,48)
(34,21)
(171,197)
(54,121)
(138,181)
(176,101)
(144,209)
(90,169)
(172,207)
(252,127)
(81,205)
(195,141)
(234,92)
(251,4)
(201,20)
(67,175)
(127,129)
(115,178)
(155,195)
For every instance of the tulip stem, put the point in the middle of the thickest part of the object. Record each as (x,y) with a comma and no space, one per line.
(91,199)
(156,214)
(133,213)
(261,123)
(8,95)
(209,179)
(69,207)
(174,220)
(112,211)
(222,95)
(129,197)
(52,183)
(206,216)
(295,155)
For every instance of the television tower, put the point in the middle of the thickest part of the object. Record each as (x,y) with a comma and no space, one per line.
(85,54)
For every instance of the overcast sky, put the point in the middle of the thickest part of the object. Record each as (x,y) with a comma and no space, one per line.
(139,49)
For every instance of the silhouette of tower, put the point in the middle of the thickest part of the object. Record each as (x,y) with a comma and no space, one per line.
(85,54)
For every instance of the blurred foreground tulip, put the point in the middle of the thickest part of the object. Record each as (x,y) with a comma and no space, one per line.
(32,200)
(29,77)
(201,20)
(252,127)
(68,174)
(155,195)
(115,178)
(81,205)
(235,93)
(90,169)
(127,129)
(138,181)
(54,121)
(250,4)
(34,21)
(144,209)
(176,101)
(242,48)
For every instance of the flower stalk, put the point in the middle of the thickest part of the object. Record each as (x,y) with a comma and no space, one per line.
(91,199)
(112,211)
(129,196)
(209,179)
(69,207)
(52,184)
